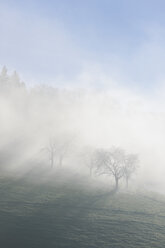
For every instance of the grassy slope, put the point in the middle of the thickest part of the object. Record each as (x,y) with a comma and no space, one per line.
(66,215)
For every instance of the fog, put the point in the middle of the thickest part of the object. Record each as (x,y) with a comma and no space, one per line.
(36,119)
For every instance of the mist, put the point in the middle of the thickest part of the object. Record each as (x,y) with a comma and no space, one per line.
(37,119)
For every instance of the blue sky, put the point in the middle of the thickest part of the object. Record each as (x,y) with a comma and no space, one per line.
(95,42)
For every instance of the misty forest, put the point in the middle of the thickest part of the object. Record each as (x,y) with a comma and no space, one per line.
(79,168)
(48,130)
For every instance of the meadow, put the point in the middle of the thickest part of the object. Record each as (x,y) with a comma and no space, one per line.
(72,214)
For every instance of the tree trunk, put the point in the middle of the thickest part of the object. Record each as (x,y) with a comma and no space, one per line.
(116,183)
(52,160)
(127,182)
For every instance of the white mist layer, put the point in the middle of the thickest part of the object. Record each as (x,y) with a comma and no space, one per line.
(31,119)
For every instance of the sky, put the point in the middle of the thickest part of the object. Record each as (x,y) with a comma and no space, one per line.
(96,43)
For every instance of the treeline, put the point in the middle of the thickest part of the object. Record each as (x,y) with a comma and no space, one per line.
(9,82)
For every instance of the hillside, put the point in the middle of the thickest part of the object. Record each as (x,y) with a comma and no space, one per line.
(68,215)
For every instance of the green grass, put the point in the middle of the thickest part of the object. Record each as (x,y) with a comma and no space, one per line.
(69,215)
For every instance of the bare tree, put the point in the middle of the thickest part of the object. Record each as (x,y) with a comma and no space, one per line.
(131,165)
(89,157)
(111,162)
(57,148)
(51,149)
(64,147)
